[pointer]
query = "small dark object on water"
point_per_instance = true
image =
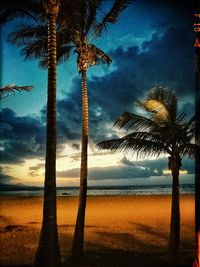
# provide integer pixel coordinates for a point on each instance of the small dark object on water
(65, 194)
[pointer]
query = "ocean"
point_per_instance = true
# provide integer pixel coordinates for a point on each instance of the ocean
(107, 191)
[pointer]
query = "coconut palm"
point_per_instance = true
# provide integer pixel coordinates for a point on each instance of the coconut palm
(197, 192)
(48, 253)
(74, 32)
(11, 89)
(197, 159)
(89, 55)
(163, 131)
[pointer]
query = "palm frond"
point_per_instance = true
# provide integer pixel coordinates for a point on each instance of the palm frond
(93, 6)
(152, 137)
(112, 15)
(131, 121)
(37, 49)
(73, 14)
(11, 89)
(191, 125)
(26, 33)
(11, 9)
(63, 53)
(188, 150)
(189, 129)
(83, 15)
(99, 55)
(137, 146)
(159, 110)
(34, 43)
(162, 103)
(89, 55)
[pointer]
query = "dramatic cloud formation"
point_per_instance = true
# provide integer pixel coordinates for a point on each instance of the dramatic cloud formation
(157, 166)
(127, 170)
(7, 179)
(166, 59)
(104, 173)
(21, 137)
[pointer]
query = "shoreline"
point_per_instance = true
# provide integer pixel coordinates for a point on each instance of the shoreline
(91, 196)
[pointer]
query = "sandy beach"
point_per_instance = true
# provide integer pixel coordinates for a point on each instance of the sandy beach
(118, 228)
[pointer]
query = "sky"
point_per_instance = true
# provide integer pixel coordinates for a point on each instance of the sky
(150, 45)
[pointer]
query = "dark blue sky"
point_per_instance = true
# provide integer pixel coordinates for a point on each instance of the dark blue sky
(151, 45)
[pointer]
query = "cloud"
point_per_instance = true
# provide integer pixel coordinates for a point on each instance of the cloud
(128, 169)
(33, 170)
(165, 60)
(113, 172)
(158, 165)
(36, 167)
(21, 137)
(76, 146)
(7, 179)
(154, 167)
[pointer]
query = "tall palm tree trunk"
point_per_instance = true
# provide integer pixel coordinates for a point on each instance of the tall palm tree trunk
(197, 204)
(48, 253)
(78, 241)
(197, 157)
(174, 236)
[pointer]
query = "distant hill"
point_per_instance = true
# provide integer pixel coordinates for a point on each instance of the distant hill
(18, 187)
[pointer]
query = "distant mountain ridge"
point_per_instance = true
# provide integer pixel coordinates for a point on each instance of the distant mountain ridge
(18, 187)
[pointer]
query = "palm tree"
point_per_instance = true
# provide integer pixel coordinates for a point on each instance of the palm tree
(88, 55)
(11, 89)
(163, 131)
(74, 32)
(48, 253)
(197, 188)
(197, 158)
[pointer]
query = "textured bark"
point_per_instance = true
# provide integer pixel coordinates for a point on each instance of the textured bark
(174, 236)
(48, 253)
(78, 241)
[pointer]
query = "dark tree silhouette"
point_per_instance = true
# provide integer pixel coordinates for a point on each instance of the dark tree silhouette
(75, 30)
(164, 131)
(5, 91)
(48, 253)
(89, 55)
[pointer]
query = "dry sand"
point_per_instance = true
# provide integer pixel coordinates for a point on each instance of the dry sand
(114, 224)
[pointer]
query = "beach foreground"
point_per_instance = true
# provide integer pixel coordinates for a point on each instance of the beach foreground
(120, 230)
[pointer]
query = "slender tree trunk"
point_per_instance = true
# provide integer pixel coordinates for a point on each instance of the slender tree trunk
(174, 236)
(48, 253)
(197, 155)
(78, 241)
(197, 207)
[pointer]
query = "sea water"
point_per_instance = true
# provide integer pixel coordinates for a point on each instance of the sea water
(107, 191)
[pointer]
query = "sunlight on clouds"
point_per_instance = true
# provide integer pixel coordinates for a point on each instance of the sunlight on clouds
(25, 175)
(68, 181)
(67, 162)
(168, 172)
(67, 151)
(70, 158)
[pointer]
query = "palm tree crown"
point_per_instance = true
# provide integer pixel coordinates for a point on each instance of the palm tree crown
(163, 130)
(73, 32)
